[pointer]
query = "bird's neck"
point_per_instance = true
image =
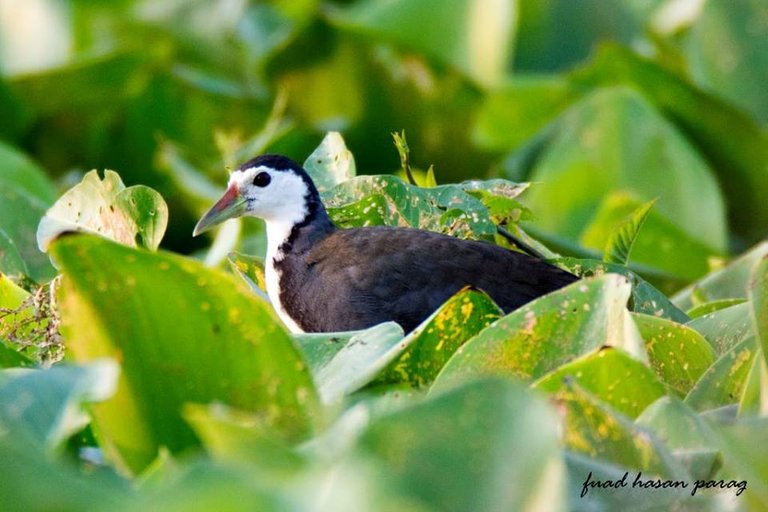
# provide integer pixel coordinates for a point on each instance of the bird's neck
(297, 235)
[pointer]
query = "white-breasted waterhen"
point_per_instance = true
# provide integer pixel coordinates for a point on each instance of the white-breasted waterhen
(321, 278)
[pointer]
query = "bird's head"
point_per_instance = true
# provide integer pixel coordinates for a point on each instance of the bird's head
(271, 187)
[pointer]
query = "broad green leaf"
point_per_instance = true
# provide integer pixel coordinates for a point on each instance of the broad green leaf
(388, 200)
(734, 143)
(758, 297)
(745, 459)
(706, 308)
(723, 382)
(476, 38)
(205, 338)
(424, 352)
(512, 113)
(231, 435)
(490, 445)
(612, 140)
(48, 404)
(25, 193)
(629, 498)
(33, 482)
(611, 375)
(330, 163)
(726, 51)
(661, 245)
(19, 172)
(754, 397)
(98, 81)
(689, 437)
(645, 298)
(134, 216)
(726, 327)
(499, 196)
(622, 240)
(729, 282)
(358, 362)
(594, 429)
(546, 333)
(678, 354)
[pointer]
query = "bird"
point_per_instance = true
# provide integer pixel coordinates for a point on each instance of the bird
(323, 278)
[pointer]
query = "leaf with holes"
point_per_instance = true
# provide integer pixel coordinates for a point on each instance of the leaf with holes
(388, 200)
(135, 216)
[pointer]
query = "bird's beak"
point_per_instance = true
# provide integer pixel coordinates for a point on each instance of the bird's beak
(231, 205)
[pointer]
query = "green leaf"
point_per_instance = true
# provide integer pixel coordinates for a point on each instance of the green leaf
(330, 163)
(251, 270)
(11, 262)
(98, 81)
(47, 405)
(758, 297)
(614, 140)
(388, 200)
(231, 435)
(729, 282)
(706, 308)
(424, 352)
(475, 38)
(721, 56)
(724, 381)
(734, 143)
(10, 358)
(136, 216)
(358, 362)
(611, 375)
(32, 481)
(25, 193)
(754, 397)
(662, 245)
(744, 458)
(205, 338)
(513, 113)
(592, 428)
(490, 445)
(726, 327)
(645, 298)
(678, 354)
(546, 333)
(21, 325)
(686, 433)
(623, 238)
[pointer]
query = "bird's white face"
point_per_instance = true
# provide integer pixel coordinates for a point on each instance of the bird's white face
(277, 196)
(270, 194)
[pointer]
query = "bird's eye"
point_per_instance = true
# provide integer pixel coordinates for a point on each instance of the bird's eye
(262, 179)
